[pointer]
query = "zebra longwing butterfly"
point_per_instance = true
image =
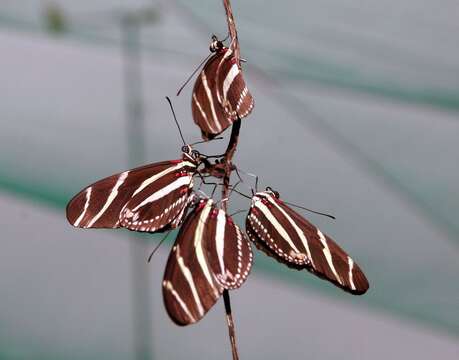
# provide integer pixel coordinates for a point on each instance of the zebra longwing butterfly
(210, 254)
(220, 94)
(149, 198)
(286, 236)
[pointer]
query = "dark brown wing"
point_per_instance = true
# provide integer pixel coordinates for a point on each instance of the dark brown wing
(233, 94)
(190, 288)
(228, 250)
(219, 95)
(136, 199)
(287, 236)
(210, 254)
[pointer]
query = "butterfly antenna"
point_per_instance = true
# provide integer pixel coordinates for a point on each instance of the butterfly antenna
(233, 188)
(194, 72)
(213, 191)
(157, 247)
(311, 211)
(242, 194)
(238, 212)
(175, 119)
(206, 141)
(248, 174)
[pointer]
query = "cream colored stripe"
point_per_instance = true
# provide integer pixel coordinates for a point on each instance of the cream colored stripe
(155, 177)
(262, 207)
(295, 226)
(328, 255)
(189, 278)
(203, 114)
(111, 197)
(169, 287)
(198, 246)
(228, 54)
(234, 71)
(220, 238)
(351, 278)
(86, 205)
(181, 181)
(211, 101)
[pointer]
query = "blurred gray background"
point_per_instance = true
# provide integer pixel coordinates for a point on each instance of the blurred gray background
(357, 114)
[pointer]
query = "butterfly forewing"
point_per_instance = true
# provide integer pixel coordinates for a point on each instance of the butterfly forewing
(220, 94)
(210, 254)
(104, 204)
(159, 203)
(291, 239)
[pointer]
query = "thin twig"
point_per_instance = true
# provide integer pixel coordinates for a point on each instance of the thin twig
(230, 151)
(228, 168)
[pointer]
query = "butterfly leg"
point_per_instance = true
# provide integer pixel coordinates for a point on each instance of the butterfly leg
(248, 174)
(157, 246)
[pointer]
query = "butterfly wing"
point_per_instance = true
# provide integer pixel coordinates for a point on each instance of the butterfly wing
(232, 92)
(133, 197)
(228, 250)
(285, 235)
(220, 94)
(210, 254)
(190, 288)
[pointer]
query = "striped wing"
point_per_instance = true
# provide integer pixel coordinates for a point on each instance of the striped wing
(285, 235)
(220, 94)
(147, 198)
(228, 250)
(209, 255)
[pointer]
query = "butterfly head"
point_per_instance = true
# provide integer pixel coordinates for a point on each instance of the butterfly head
(265, 196)
(215, 44)
(201, 200)
(272, 192)
(191, 155)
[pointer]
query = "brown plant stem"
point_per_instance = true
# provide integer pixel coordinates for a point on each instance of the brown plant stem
(228, 168)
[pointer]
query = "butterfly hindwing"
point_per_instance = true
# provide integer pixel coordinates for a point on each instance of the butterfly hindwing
(114, 201)
(287, 236)
(228, 250)
(210, 254)
(233, 94)
(190, 287)
(158, 203)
